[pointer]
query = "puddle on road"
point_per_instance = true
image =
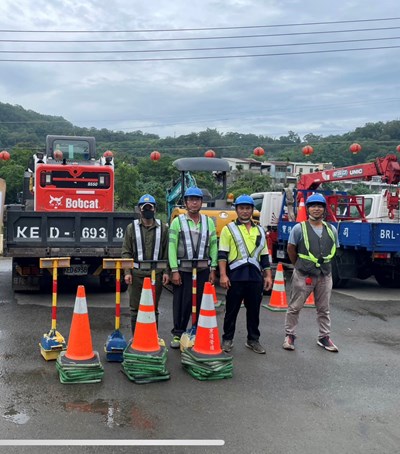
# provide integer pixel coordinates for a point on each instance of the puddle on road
(115, 414)
(15, 416)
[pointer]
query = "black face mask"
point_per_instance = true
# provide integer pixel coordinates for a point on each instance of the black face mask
(148, 214)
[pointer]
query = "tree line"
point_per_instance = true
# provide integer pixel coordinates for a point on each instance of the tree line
(23, 132)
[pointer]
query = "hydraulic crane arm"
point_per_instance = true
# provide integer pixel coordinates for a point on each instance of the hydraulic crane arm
(388, 168)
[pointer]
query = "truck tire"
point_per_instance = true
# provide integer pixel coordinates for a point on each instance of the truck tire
(107, 283)
(384, 277)
(337, 280)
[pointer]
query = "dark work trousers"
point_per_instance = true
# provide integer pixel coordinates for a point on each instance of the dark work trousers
(250, 293)
(135, 292)
(182, 299)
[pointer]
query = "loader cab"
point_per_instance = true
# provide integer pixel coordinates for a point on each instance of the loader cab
(71, 149)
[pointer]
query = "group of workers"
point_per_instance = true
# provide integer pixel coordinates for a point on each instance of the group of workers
(243, 262)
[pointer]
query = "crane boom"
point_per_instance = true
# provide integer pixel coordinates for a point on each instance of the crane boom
(388, 168)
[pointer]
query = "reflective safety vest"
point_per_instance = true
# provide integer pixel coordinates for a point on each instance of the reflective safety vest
(246, 256)
(200, 250)
(310, 257)
(139, 243)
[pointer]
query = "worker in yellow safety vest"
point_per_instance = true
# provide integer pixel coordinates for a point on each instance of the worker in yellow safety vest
(244, 271)
(311, 247)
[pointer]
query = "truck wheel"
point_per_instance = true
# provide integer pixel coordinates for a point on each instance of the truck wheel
(45, 284)
(107, 283)
(385, 279)
(337, 281)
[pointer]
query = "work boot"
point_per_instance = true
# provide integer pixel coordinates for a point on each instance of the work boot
(227, 345)
(289, 342)
(176, 342)
(255, 346)
(327, 344)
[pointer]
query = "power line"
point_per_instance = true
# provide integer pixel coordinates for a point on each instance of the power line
(196, 48)
(204, 28)
(270, 35)
(206, 57)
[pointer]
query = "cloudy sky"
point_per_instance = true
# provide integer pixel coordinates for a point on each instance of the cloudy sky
(175, 67)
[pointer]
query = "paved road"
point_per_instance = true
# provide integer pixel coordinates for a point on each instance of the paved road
(307, 401)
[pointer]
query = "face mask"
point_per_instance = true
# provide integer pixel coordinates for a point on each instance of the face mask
(316, 218)
(148, 214)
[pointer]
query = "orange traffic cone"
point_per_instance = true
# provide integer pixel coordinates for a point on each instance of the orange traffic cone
(301, 211)
(310, 301)
(278, 300)
(207, 335)
(145, 338)
(80, 339)
(79, 363)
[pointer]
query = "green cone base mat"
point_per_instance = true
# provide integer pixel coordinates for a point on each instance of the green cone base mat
(207, 367)
(71, 371)
(144, 367)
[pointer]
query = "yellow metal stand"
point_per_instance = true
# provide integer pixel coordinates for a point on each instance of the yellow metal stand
(53, 342)
(116, 343)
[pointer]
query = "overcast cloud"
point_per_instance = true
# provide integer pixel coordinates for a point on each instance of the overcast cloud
(320, 93)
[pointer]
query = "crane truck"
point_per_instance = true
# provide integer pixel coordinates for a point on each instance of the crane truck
(368, 225)
(66, 210)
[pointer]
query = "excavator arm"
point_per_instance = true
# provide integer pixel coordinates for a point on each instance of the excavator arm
(175, 193)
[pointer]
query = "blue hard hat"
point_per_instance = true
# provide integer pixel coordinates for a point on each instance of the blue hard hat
(316, 198)
(147, 198)
(193, 192)
(244, 199)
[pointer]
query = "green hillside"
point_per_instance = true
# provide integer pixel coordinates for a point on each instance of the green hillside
(23, 132)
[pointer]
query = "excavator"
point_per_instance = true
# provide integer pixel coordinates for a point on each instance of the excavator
(218, 206)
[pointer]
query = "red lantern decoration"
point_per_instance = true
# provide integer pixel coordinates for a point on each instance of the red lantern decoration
(308, 150)
(209, 154)
(58, 155)
(5, 155)
(398, 148)
(108, 154)
(355, 148)
(155, 156)
(259, 151)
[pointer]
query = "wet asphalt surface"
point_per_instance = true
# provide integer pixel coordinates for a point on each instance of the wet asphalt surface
(306, 401)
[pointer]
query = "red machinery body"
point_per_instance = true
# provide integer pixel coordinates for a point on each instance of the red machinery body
(388, 168)
(68, 177)
(73, 187)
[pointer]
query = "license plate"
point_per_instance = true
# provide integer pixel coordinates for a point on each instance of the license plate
(76, 270)
(280, 254)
